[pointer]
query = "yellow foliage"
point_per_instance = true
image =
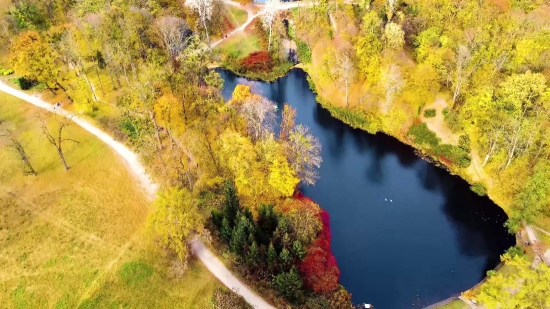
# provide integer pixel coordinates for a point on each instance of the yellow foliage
(282, 177)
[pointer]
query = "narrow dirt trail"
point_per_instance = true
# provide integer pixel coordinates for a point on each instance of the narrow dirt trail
(199, 249)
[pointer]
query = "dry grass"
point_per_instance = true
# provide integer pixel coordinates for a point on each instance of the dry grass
(66, 237)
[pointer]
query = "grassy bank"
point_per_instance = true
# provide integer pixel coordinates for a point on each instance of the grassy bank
(77, 238)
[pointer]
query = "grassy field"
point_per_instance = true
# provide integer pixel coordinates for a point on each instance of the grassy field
(77, 238)
(236, 16)
(240, 45)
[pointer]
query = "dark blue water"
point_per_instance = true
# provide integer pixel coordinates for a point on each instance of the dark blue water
(435, 239)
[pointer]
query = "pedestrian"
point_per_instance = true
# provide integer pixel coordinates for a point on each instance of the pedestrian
(524, 251)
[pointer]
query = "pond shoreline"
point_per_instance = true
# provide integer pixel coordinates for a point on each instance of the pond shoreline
(458, 206)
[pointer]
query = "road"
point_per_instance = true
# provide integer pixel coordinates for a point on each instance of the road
(200, 250)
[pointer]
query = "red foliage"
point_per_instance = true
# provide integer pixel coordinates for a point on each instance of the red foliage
(445, 160)
(319, 268)
(228, 26)
(259, 61)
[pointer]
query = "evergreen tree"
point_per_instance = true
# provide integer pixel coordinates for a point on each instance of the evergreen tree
(231, 203)
(226, 230)
(239, 235)
(289, 284)
(253, 255)
(298, 250)
(285, 258)
(271, 256)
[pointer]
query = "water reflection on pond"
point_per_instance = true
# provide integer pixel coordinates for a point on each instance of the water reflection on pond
(434, 239)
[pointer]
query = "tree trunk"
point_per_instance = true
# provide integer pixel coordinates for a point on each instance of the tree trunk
(88, 81)
(347, 94)
(111, 77)
(205, 30)
(157, 133)
(269, 42)
(62, 157)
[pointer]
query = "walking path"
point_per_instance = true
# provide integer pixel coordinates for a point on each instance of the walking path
(200, 250)
(251, 16)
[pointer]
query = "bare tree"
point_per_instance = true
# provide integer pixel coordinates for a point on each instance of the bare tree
(19, 149)
(269, 14)
(204, 8)
(174, 33)
(391, 5)
(393, 83)
(304, 154)
(340, 68)
(55, 137)
(460, 76)
(259, 114)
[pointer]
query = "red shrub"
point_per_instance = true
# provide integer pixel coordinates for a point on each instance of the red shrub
(259, 61)
(319, 268)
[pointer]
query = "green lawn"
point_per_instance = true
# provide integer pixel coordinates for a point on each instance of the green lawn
(240, 45)
(456, 304)
(236, 16)
(78, 238)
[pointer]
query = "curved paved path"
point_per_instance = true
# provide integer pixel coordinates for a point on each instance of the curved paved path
(200, 250)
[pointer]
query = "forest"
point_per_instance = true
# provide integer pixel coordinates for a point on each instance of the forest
(464, 81)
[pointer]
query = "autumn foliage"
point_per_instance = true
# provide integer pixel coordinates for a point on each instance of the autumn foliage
(259, 61)
(319, 269)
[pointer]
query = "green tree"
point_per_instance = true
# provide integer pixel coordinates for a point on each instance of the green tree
(289, 285)
(231, 205)
(253, 255)
(298, 250)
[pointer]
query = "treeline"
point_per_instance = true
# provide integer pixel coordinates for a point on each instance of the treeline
(487, 61)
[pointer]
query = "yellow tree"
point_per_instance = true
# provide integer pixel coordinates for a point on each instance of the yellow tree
(177, 219)
(33, 58)
(524, 287)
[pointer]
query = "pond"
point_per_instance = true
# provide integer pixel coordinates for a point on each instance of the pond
(405, 233)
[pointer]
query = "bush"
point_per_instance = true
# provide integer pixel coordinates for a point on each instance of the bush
(5, 72)
(479, 189)
(429, 113)
(259, 61)
(453, 154)
(303, 51)
(515, 250)
(423, 136)
(464, 142)
(24, 83)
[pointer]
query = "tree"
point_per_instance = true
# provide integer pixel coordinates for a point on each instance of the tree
(526, 287)
(319, 268)
(303, 151)
(289, 285)
(391, 5)
(392, 83)
(271, 256)
(394, 36)
(36, 60)
(174, 33)
(533, 200)
(239, 234)
(304, 218)
(369, 46)
(340, 68)
(287, 123)
(259, 113)
(204, 9)
(282, 177)
(177, 220)
(55, 137)
(19, 149)
(231, 203)
(269, 13)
